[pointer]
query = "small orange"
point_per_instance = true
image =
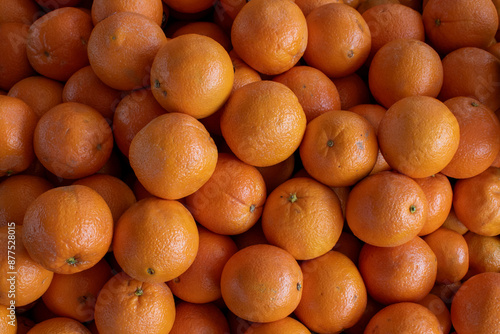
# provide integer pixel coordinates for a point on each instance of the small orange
(125, 305)
(101, 9)
(317, 94)
(173, 155)
(59, 325)
(339, 148)
(200, 283)
(304, 217)
(287, 325)
(199, 318)
(262, 283)
(339, 39)
(232, 200)
(68, 229)
(484, 253)
(270, 36)
(386, 209)
(404, 273)
(72, 140)
(334, 296)
(155, 240)
(418, 136)
(250, 118)
(353, 90)
(438, 307)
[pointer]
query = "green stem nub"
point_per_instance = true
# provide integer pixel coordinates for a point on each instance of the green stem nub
(292, 198)
(151, 271)
(299, 286)
(138, 292)
(71, 261)
(437, 22)
(329, 143)
(413, 208)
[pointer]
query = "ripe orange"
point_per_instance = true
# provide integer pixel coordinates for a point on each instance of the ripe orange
(23, 11)
(72, 140)
(386, 209)
(173, 155)
(232, 200)
(199, 318)
(209, 29)
(68, 229)
(334, 296)
(365, 5)
(475, 201)
(101, 9)
(287, 325)
(263, 123)
(9, 322)
(404, 273)
(476, 305)
(440, 310)
(453, 223)
(418, 136)
(308, 5)
(339, 148)
(57, 42)
(155, 240)
(120, 51)
(59, 325)
(125, 305)
(484, 253)
(261, 283)
(270, 36)
(304, 217)
(339, 39)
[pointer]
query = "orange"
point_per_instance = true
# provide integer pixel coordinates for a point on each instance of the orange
(193, 318)
(133, 112)
(59, 325)
(339, 148)
(479, 142)
(261, 283)
(250, 118)
(24, 281)
(404, 273)
(275, 175)
(57, 42)
(72, 140)
(386, 209)
(15, 65)
(155, 240)
(209, 29)
(334, 296)
(126, 306)
(121, 52)
(339, 39)
(440, 310)
(8, 322)
(101, 9)
(418, 136)
(353, 90)
(23, 11)
(483, 253)
(471, 72)
(243, 73)
(317, 94)
(286, 325)
(303, 217)
(404, 317)
(477, 22)
(17, 124)
(85, 87)
(39, 92)
(200, 283)
(68, 229)
(453, 223)
(232, 200)
(189, 6)
(476, 306)
(364, 5)
(349, 245)
(16, 194)
(475, 201)
(74, 295)
(192, 74)
(439, 194)
(402, 68)
(308, 5)
(452, 254)
(173, 155)
(270, 36)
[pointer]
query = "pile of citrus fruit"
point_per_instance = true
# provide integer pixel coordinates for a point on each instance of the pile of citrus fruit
(239, 167)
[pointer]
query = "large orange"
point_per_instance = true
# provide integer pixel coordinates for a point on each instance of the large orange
(72, 140)
(270, 36)
(126, 306)
(101, 9)
(339, 148)
(192, 74)
(339, 39)
(386, 209)
(334, 296)
(263, 123)
(155, 240)
(262, 283)
(303, 217)
(232, 200)
(59, 325)
(68, 229)
(418, 136)
(173, 155)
